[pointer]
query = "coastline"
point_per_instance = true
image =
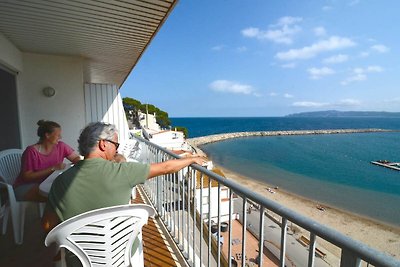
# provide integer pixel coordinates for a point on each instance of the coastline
(378, 235)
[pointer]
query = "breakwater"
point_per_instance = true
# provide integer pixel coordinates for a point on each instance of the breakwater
(198, 141)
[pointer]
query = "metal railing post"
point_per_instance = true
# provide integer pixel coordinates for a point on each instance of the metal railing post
(184, 222)
(201, 219)
(261, 238)
(349, 259)
(230, 228)
(188, 186)
(311, 254)
(180, 209)
(174, 201)
(209, 222)
(194, 178)
(219, 226)
(283, 242)
(244, 230)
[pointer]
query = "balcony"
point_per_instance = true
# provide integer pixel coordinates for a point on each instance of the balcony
(197, 210)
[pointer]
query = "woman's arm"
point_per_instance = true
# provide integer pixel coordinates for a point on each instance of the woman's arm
(74, 157)
(32, 176)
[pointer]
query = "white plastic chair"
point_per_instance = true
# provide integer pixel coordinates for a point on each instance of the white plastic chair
(103, 237)
(4, 218)
(10, 165)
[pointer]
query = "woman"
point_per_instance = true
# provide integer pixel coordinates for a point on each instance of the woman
(41, 159)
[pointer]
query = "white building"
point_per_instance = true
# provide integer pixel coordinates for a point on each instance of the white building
(212, 212)
(171, 140)
(168, 139)
(148, 121)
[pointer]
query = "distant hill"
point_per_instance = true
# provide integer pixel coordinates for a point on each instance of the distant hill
(336, 113)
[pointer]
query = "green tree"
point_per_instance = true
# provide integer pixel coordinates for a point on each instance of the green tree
(182, 129)
(161, 116)
(131, 106)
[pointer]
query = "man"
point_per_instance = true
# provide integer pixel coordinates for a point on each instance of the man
(97, 181)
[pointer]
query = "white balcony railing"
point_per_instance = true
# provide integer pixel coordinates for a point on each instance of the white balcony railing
(183, 200)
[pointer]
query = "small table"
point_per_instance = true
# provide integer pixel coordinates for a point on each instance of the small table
(45, 186)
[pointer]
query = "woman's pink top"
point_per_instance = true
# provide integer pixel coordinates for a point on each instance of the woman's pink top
(33, 160)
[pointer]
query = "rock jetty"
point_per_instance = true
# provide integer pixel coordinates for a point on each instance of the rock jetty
(198, 141)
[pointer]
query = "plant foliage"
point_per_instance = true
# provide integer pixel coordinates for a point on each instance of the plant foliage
(183, 129)
(132, 106)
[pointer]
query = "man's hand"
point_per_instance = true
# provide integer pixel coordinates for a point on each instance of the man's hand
(199, 160)
(174, 165)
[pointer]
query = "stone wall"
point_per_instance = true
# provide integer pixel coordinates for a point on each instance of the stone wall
(195, 142)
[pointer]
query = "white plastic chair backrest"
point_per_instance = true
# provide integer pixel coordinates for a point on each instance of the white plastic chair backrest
(102, 237)
(10, 164)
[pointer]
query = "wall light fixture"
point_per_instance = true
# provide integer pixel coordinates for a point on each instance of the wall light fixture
(49, 91)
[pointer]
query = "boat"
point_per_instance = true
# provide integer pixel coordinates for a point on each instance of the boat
(387, 164)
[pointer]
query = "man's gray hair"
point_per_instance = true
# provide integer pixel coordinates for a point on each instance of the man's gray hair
(92, 133)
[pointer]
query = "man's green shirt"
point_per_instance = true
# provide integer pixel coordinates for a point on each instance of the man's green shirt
(95, 183)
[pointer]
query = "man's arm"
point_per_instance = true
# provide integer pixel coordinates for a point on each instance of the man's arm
(173, 165)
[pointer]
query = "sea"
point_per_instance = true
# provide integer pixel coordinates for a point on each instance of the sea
(333, 169)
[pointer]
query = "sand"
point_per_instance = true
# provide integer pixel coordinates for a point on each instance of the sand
(382, 237)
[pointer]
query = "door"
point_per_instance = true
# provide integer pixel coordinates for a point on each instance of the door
(9, 119)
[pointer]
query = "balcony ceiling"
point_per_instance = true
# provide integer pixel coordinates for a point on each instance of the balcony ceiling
(111, 35)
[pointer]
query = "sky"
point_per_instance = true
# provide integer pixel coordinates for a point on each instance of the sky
(260, 58)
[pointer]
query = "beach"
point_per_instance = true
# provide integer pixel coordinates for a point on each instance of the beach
(378, 235)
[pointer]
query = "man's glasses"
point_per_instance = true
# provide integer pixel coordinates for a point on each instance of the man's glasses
(114, 143)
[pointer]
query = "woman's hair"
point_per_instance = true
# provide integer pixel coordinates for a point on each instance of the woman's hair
(92, 133)
(46, 127)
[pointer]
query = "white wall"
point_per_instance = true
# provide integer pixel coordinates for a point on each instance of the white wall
(64, 74)
(148, 121)
(224, 207)
(67, 107)
(169, 139)
(10, 56)
(103, 102)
